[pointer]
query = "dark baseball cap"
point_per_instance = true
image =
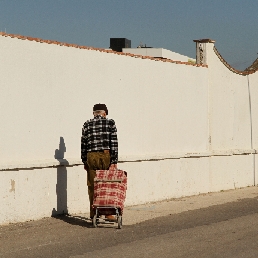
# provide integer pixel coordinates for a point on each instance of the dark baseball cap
(100, 107)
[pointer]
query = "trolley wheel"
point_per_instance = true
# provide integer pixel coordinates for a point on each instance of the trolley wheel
(119, 221)
(95, 221)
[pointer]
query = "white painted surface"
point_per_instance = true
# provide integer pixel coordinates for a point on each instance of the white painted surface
(48, 91)
(196, 120)
(33, 194)
(229, 107)
(253, 85)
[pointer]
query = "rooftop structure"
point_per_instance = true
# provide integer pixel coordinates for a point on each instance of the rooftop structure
(157, 53)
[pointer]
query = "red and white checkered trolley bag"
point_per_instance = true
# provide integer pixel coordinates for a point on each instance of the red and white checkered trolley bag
(109, 194)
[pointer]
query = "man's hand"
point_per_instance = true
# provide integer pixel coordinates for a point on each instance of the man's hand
(113, 166)
(86, 167)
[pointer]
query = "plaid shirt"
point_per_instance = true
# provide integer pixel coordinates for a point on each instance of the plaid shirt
(99, 133)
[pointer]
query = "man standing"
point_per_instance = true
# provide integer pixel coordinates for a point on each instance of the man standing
(99, 147)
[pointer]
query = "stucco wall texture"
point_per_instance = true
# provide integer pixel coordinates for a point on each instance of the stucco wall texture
(182, 129)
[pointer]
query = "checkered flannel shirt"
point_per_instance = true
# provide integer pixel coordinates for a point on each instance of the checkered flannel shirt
(99, 133)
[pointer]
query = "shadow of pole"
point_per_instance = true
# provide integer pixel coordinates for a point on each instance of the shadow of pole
(61, 185)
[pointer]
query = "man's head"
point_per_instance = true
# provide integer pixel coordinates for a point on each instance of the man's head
(100, 109)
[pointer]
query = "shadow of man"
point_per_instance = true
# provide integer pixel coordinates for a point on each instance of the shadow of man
(61, 185)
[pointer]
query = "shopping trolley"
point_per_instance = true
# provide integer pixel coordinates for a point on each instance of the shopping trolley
(109, 194)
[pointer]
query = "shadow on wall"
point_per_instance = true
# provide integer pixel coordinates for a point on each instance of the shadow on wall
(61, 185)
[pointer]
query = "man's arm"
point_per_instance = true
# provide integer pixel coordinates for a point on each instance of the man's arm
(113, 143)
(84, 145)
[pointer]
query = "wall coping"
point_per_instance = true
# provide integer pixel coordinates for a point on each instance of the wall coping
(204, 40)
(70, 162)
(244, 73)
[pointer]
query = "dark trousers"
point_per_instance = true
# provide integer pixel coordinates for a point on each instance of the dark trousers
(95, 161)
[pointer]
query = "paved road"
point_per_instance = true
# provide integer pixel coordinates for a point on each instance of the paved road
(227, 227)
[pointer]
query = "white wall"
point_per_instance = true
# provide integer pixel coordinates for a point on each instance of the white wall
(229, 107)
(194, 122)
(253, 78)
(33, 194)
(48, 91)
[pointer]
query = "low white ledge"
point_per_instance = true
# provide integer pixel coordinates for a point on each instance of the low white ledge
(21, 165)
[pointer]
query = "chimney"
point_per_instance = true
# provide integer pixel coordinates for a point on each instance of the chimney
(201, 50)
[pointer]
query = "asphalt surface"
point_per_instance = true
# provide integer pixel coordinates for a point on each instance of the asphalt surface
(212, 225)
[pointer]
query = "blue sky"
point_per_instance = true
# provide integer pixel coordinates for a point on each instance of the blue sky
(171, 24)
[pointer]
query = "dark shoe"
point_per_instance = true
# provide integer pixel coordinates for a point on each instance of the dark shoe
(111, 218)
